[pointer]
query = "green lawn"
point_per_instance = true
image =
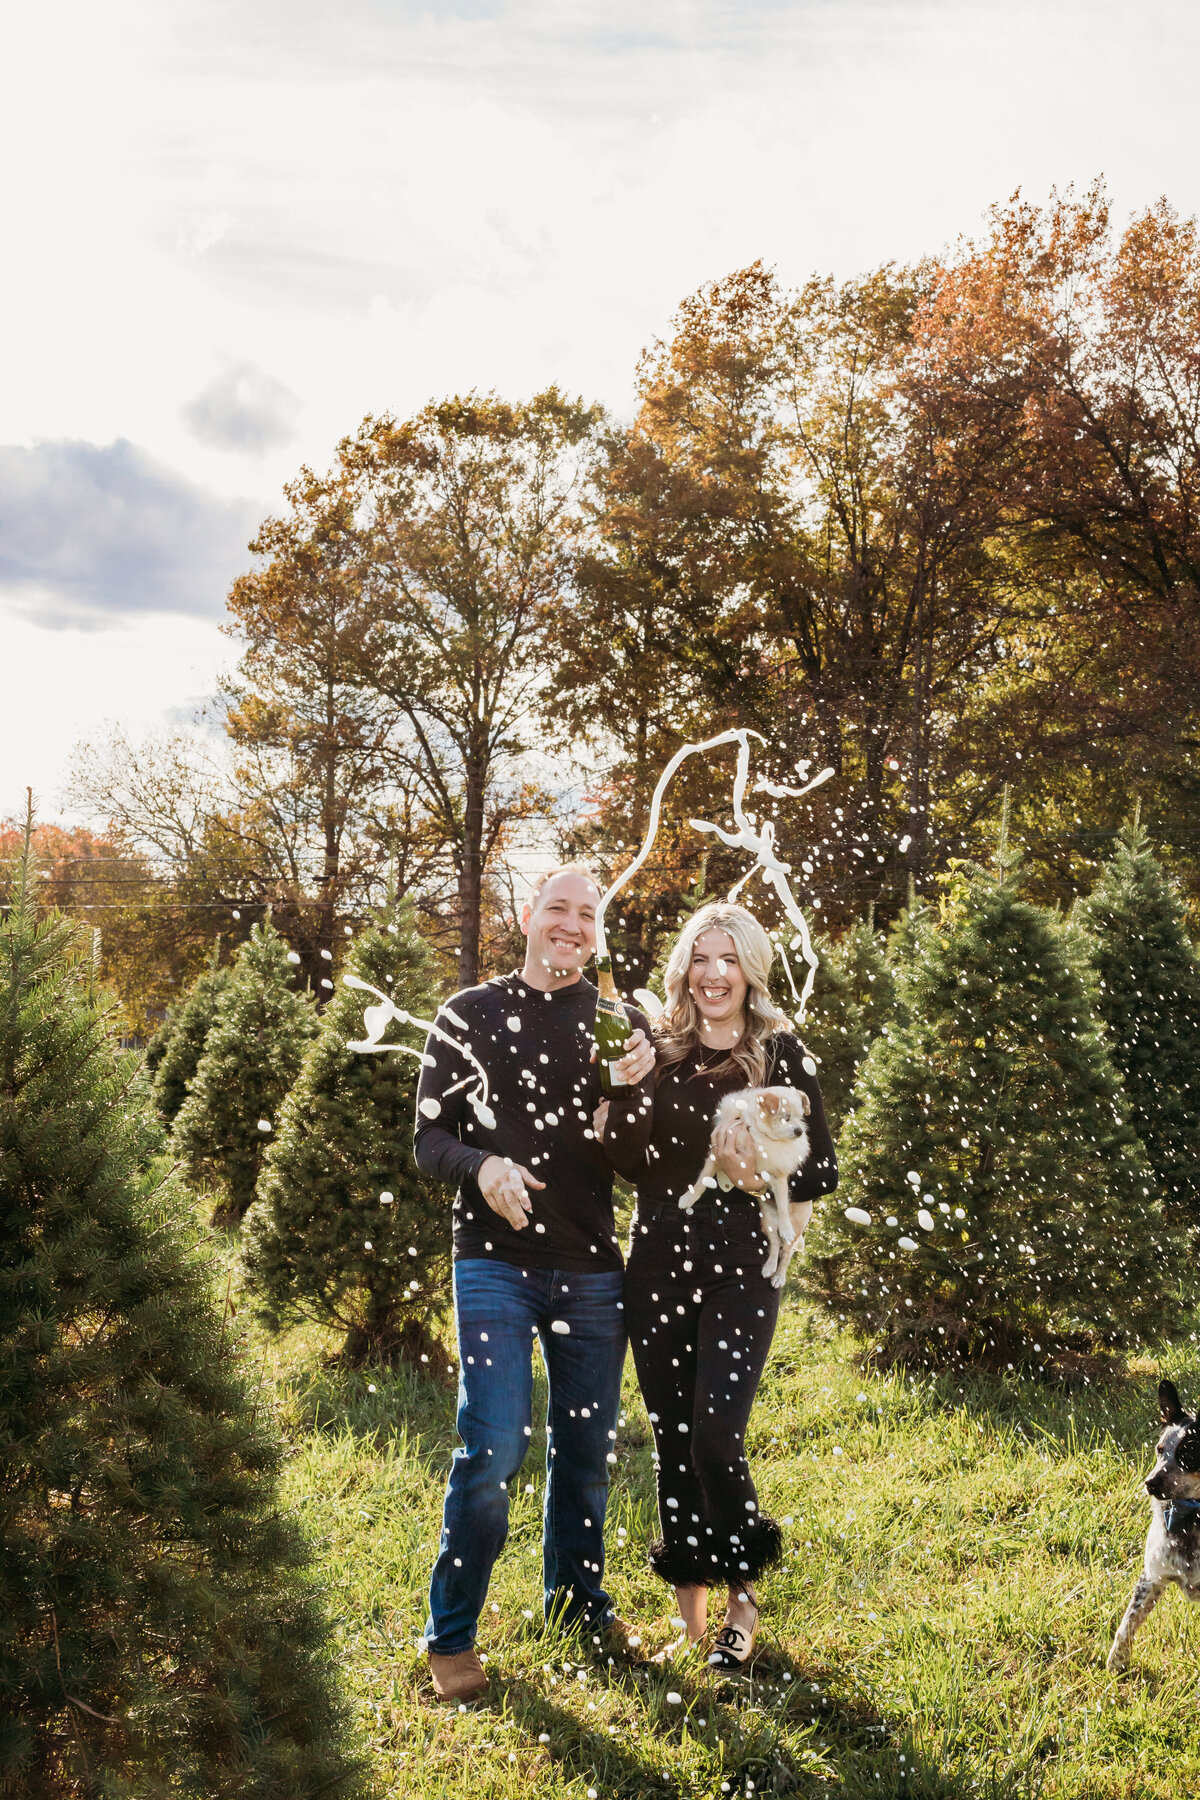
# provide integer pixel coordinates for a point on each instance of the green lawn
(960, 1552)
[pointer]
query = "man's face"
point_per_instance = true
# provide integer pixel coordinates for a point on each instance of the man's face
(561, 924)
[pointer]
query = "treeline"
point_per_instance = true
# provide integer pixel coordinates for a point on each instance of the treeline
(1015, 1093)
(936, 528)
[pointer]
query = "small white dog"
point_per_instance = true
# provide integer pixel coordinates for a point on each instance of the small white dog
(777, 1120)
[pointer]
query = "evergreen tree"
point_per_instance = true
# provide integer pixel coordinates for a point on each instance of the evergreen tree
(1147, 984)
(252, 1055)
(320, 1243)
(906, 946)
(173, 1053)
(159, 1636)
(1008, 1196)
(852, 1000)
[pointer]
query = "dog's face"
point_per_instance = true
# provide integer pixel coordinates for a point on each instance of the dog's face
(1176, 1473)
(782, 1113)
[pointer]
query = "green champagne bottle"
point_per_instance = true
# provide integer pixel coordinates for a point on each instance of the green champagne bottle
(613, 1029)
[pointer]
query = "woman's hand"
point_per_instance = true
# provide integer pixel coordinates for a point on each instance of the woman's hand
(733, 1152)
(599, 1120)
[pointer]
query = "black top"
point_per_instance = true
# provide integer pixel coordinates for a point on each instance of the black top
(536, 1048)
(684, 1103)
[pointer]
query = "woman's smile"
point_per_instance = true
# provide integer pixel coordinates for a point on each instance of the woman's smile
(717, 981)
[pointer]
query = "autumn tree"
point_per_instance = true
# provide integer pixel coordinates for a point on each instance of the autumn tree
(1085, 340)
(311, 734)
(798, 543)
(475, 511)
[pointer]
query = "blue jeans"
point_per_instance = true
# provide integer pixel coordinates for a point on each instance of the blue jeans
(498, 1310)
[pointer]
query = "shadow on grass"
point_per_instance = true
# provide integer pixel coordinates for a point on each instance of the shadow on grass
(776, 1729)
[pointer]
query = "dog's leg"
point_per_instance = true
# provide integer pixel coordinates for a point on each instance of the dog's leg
(705, 1179)
(799, 1216)
(783, 1211)
(771, 1232)
(1145, 1597)
(785, 1257)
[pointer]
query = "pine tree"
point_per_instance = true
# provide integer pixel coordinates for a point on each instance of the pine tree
(1009, 1199)
(159, 1635)
(319, 1242)
(852, 1000)
(906, 946)
(1147, 984)
(173, 1053)
(251, 1057)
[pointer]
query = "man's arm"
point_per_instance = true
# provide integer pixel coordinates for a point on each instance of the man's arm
(438, 1145)
(437, 1140)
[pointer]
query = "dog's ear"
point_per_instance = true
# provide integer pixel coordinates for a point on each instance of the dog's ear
(1170, 1406)
(1187, 1452)
(805, 1104)
(769, 1104)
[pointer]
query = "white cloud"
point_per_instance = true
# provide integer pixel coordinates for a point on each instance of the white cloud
(89, 531)
(243, 408)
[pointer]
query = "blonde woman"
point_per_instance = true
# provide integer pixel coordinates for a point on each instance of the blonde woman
(699, 1312)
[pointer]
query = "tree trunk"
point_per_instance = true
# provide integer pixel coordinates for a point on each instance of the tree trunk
(470, 871)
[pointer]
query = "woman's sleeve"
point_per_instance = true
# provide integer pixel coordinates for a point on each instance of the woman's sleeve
(630, 1119)
(819, 1172)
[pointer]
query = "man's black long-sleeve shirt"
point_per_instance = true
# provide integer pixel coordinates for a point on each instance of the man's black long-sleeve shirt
(536, 1047)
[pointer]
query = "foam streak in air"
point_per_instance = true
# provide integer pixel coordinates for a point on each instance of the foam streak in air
(377, 1019)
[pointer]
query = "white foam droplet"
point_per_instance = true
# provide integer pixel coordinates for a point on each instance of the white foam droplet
(561, 1326)
(808, 1065)
(925, 1220)
(430, 1108)
(513, 1023)
(293, 956)
(387, 1197)
(264, 1124)
(857, 1216)
(907, 1243)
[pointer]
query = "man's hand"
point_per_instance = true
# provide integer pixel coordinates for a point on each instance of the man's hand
(733, 1151)
(504, 1184)
(637, 1061)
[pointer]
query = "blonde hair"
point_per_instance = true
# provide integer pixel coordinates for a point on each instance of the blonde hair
(677, 1033)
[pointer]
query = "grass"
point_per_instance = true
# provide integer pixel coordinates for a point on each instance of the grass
(960, 1550)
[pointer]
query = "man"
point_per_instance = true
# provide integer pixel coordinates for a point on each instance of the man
(535, 1254)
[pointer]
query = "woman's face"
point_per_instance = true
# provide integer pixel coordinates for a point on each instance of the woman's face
(715, 978)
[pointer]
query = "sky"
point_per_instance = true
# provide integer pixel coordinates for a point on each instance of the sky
(232, 230)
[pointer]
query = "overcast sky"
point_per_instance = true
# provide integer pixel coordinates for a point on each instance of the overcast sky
(232, 229)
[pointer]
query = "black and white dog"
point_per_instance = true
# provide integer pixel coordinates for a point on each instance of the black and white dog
(1173, 1541)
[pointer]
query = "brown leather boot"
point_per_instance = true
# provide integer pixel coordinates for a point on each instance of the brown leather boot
(459, 1677)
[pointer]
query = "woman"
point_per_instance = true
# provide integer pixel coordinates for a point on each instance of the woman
(699, 1311)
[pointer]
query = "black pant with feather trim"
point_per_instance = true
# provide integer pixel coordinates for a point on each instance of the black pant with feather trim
(701, 1318)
